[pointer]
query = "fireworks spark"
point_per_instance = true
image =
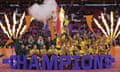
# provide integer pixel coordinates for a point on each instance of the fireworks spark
(100, 27)
(4, 30)
(8, 24)
(109, 31)
(13, 32)
(14, 23)
(20, 25)
(117, 34)
(105, 23)
(111, 23)
(117, 26)
(23, 29)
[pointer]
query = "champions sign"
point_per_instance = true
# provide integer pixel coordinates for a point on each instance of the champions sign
(54, 62)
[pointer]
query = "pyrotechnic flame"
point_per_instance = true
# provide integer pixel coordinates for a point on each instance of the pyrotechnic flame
(105, 23)
(14, 32)
(8, 24)
(20, 25)
(110, 33)
(117, 34)
(111, 23)
(4, 30)
(99, 26)
(14, 23)
(117, 26)
(23, 29)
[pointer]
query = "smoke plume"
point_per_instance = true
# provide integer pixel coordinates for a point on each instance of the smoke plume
(42, 12)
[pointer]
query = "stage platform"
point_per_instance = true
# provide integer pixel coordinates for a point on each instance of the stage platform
(115, 67)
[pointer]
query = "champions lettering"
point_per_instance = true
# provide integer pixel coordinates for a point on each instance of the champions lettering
(54, 62)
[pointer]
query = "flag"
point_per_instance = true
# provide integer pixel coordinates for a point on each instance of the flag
(61, 15)
(51, 28)
(46, 27)
(28, 20)
(89, 20)
(58, 29)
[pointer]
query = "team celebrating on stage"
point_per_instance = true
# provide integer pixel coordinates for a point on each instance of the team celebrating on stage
(65, 44)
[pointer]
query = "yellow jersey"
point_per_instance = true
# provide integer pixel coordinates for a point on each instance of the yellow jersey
(34, 52)
(83, 43)
(58, 42)
(82, 52)
(90, 50)
(52, 51)
(43, 51)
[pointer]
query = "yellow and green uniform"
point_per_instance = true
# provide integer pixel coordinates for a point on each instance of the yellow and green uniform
(33, 52)
(89, 41)
(96, 50)
(102, 51)
(59, 52)
(71, 49)
(43, 51)
(77, 52)
(76, 42)
(83, 44)
(106, 51)
(52, 51)
(90, 50)
(68, 43)
(82, 52)
(96, 43)
(107, 42)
